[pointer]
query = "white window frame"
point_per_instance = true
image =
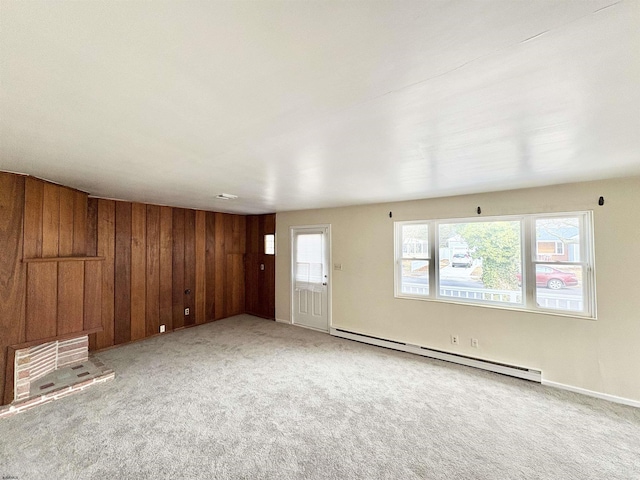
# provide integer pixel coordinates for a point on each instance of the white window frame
(399, 255)
(528, 263)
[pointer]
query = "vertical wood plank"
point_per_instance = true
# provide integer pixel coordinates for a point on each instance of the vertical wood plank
(42, 299)
(253, 234)
(259, 282)
(166, 267)
(90, 247)
(33, 200)
(122, 271)
(65, 233)
(12, 273)
(210, 260)
(235, 284)
(138, 270)
(220, 265)
(80, 219)
(270, 223)
(153, 271)
(252, 264)
(190, 264)
(200, 270)
(70, 297)
(92, 295)
(106, 249)
(50, 220)
(178, 268)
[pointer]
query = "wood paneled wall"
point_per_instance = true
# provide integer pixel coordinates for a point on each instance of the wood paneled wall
(160, 261)
(260, 271)
(55, 220)
(156, 261)
(52, 285)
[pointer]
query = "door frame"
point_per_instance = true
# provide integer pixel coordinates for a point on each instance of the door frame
(292, 282)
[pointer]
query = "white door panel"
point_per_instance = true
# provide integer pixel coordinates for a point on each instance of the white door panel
(310, 276)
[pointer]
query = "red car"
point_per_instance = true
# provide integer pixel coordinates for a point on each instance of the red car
(553, 278)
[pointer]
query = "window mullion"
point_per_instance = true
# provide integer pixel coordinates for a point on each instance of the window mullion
(434, 259)
(529, 263)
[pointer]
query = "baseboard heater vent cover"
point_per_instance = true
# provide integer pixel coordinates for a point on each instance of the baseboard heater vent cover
(502, 368)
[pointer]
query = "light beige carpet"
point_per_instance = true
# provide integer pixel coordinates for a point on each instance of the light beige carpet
(249, 398)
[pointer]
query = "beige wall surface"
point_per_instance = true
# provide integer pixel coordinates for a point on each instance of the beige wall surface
(601, 355)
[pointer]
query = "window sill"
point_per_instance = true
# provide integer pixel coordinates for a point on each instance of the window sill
(555, 313)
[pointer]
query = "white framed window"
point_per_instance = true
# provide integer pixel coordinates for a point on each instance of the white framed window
(541, 263)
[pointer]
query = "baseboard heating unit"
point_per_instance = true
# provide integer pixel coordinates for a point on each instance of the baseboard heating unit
(504, 369)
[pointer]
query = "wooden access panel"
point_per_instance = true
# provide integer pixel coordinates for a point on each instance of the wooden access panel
(92, 297)
(42, 301)
(70, 297)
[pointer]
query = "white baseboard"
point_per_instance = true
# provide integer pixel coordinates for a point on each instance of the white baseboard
(591, 393)
(279, 320)
(511, 370)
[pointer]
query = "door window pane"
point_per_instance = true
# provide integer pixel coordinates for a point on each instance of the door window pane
(309, 258)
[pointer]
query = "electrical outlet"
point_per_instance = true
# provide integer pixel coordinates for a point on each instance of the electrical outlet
(162, 327)
(186, 311)
(455, 339)
(474, 342)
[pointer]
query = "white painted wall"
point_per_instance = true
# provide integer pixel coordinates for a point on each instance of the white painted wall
(600, 355)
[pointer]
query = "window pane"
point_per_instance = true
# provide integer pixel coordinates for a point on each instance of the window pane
(270, 244)
(309, 267)
(415, 277)
(481, 261)
(415, 241)
(559, 287)
(557, 239)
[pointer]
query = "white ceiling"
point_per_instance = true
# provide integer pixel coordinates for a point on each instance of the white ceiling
(303, 104)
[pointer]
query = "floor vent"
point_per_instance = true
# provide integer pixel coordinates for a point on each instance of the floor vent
(496, 367)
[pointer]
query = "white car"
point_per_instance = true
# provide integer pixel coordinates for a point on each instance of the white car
(461, 260)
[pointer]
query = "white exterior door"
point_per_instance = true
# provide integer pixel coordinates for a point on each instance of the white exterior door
(310, 277)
